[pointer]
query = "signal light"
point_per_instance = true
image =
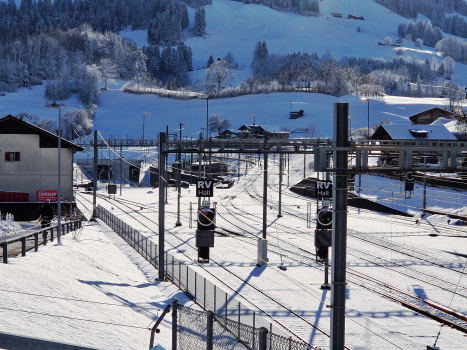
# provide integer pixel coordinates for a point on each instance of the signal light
(324, 218)
(206, 219)
(409, 182)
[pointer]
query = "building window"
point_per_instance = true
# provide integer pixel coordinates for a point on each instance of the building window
(12, 156)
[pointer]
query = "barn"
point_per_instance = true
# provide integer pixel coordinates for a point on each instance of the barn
(431, 115)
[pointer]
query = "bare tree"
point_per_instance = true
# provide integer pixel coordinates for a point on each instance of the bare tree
(310, 131)
(218, 122)
(108, 71)
(218, 76)
(454, 94)
(56, 90)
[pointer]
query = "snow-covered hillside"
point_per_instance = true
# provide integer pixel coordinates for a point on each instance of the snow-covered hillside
(235, 27)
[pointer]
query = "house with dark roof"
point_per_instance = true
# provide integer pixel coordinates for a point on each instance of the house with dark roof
(430, 115)
(260, 131)
(29, 160)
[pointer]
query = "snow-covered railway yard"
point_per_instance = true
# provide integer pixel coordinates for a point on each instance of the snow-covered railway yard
(390, 260)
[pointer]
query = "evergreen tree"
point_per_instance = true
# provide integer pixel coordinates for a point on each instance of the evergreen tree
(210, 61)
(199, 27)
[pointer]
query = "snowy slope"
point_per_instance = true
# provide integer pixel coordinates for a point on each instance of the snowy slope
(236, 27)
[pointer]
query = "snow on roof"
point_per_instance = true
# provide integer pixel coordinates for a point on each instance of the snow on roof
(441, 121)
(403, 132)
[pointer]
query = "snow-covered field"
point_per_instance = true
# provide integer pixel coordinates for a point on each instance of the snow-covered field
(235, 27)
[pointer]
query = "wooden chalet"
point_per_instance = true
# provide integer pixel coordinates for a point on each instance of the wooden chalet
(228, 134)
(430, 115)
(260, 131)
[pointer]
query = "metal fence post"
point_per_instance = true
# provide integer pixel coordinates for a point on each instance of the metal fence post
(262, 338)
(209, 330)
(174, 323)
(23, 246)
(5, 252)
(253, 333)
(270, 338)
(36, 241)
(238, 320)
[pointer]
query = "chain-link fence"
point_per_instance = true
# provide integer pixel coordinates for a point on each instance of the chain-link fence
(200, 330)
(229, 312)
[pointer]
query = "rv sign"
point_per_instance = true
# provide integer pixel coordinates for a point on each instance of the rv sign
(323, 189)
(204, 188)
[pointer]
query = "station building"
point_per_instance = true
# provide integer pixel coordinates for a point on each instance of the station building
(29, 163)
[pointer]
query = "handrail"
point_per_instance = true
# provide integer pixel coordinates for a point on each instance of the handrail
(6, 240)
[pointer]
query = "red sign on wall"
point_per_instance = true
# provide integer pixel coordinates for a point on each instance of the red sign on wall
(42, 195)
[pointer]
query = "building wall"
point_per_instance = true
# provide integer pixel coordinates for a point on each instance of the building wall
(37, 168)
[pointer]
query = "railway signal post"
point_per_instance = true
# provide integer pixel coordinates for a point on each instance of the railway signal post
(206, 217)
(323, 232)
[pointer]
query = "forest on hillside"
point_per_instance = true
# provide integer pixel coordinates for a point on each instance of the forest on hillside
(72, 47)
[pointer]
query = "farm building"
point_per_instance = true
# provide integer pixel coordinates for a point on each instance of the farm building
(431, 115)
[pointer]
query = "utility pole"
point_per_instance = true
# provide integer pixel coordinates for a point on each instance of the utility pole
(281, 159)
(94, 177)
(424, 188)
(72, 179)
(162, 184)
(265, 194)
(179, 180)
(339, 228)
(121, 169)
(262, 242)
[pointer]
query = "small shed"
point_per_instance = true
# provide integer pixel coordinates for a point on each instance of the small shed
(356, 17)
(296, 114)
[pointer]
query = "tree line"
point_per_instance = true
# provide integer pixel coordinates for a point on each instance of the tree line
(32, 17)
(444, 14)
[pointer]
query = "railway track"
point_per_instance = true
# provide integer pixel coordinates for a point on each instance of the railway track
(410, 300)
(192, 258)
(424, 306)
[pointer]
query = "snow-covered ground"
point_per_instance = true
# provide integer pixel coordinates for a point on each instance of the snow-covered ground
(93, 290)
(60, 288)
(386, 247)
